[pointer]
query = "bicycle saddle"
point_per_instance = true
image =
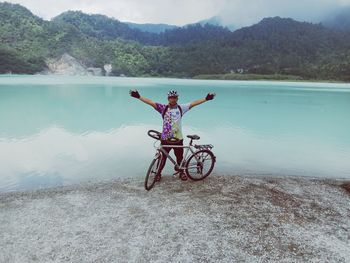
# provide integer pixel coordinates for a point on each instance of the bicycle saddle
(193, 137)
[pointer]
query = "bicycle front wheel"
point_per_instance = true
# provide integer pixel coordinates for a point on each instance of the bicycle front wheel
(150, 179)
(200, 165)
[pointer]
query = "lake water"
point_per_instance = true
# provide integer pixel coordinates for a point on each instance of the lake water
(57, 130)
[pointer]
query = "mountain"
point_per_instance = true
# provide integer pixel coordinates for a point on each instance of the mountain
(23, 40)
(285, 36)
(151, 28)
(19, 24)
(103, 27)
(161, 28)
(273, 46)
(193, 33)
(286, 46)
(338, 20)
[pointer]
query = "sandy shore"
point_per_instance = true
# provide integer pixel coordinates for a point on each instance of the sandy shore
(222, 219)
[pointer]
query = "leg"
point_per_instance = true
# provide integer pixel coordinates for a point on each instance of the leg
(162, 164)
(179, 153)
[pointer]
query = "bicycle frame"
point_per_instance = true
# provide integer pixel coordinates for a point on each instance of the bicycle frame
(184, 159)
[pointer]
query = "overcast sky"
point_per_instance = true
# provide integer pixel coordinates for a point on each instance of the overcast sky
(181, 12)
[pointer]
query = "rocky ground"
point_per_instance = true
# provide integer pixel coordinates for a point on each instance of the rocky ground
(221, 219)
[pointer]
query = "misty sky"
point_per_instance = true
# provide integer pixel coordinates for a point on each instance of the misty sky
(181, 12)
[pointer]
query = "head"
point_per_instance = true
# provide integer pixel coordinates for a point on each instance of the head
(173, 97)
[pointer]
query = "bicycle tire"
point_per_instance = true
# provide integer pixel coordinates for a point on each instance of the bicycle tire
(194, 170)
(150, 179)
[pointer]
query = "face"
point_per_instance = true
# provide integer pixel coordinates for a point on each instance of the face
(173, 100)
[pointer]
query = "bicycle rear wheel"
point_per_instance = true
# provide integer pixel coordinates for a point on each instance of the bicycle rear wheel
(150, 179)
(200, 165)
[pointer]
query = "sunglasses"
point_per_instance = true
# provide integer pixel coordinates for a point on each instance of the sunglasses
(172, 97)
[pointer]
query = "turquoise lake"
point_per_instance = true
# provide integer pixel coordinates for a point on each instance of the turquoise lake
(59, 130)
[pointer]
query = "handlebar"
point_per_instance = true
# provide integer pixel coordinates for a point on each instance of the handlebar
(157, 135)
(154, 134)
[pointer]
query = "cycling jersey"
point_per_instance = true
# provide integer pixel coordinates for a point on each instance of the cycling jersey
(172, 120)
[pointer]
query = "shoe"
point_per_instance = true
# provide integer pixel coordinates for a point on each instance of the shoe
(183, 177)
(158, 177)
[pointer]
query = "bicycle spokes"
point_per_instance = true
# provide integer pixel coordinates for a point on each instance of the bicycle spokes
(152, 172)
(200, 164)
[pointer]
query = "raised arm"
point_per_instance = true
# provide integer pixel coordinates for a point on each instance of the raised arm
(210, 96)
(136, 94)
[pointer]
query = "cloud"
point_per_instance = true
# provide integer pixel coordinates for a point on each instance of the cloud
(181, 12)
(178, 12)
(247, 12)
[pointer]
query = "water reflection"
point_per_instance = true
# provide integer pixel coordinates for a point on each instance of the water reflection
(72, 157)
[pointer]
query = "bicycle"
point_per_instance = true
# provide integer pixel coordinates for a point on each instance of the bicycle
(194, 166)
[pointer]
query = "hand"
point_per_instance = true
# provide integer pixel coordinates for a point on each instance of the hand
(210, 96)
(134, 93)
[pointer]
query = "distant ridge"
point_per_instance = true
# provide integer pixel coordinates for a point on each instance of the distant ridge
(152, 28)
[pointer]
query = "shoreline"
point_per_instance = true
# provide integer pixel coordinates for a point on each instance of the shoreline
(201, 77)
(339, 181)
(267, 77)
(223, 218)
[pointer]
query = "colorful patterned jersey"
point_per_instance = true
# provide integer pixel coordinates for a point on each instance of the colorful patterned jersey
(172, 120)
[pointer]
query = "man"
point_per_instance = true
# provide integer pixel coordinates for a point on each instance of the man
(172, 131)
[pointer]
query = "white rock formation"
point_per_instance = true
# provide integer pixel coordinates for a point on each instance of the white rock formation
(68, 65)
